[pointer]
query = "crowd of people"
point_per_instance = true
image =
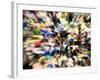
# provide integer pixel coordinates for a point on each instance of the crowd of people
(56, 39)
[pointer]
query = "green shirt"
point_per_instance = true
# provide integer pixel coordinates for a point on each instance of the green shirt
(36, 31)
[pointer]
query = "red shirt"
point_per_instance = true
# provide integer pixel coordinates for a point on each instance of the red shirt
(38, 43)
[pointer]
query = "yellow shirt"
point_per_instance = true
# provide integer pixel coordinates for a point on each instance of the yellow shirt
(31, 21)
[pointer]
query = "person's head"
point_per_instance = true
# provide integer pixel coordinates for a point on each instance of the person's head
(29, 51)
(71, 48)
(87, 61)
(81, 63)
(42, 60)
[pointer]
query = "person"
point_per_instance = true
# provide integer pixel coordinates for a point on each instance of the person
(26, 65)
(40, 64)
(36, 31)
(70, 62)
(38, 43)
